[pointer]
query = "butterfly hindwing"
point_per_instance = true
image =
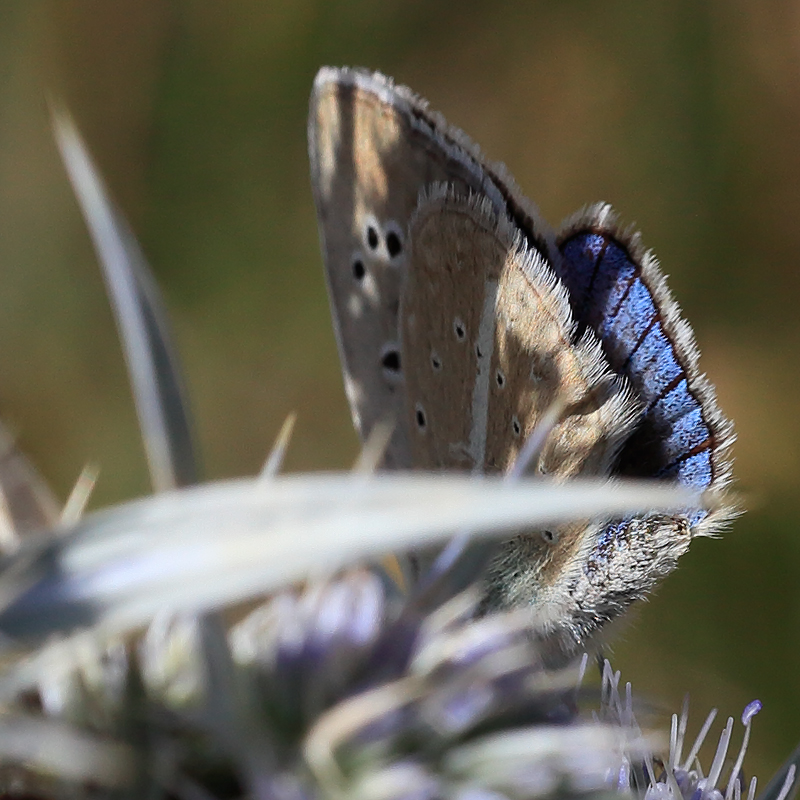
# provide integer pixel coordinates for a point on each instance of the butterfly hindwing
(617, 290)
(489, 343)
(486, 337)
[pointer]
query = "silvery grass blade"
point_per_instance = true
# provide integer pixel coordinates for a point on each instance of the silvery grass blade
(53, 747)
(80, 494)
(501, 762)
(784, 784)
(209, 546)
(142, 323)
(26, 501)
(274, 461)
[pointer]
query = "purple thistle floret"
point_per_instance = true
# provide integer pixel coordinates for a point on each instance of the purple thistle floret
(679, 778)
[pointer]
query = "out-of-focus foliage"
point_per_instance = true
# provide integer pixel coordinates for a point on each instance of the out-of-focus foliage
(684, 114)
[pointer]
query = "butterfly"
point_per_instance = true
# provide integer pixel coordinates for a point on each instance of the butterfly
(462, 317)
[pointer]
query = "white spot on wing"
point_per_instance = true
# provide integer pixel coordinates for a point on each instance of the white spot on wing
(355, 305)
(367, 290)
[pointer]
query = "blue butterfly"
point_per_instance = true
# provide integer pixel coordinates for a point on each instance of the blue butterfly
(461, 316)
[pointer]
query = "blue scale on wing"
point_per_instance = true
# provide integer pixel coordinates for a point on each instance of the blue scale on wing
(609, 294)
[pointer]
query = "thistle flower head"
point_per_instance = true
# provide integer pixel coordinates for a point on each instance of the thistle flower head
(340, 688)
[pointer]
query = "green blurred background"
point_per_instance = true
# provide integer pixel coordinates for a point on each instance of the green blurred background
(685, 114)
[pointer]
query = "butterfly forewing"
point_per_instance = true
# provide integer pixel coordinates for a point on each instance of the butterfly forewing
(373, 148)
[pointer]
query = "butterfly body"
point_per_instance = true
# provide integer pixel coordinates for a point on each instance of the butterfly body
(464, 320)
